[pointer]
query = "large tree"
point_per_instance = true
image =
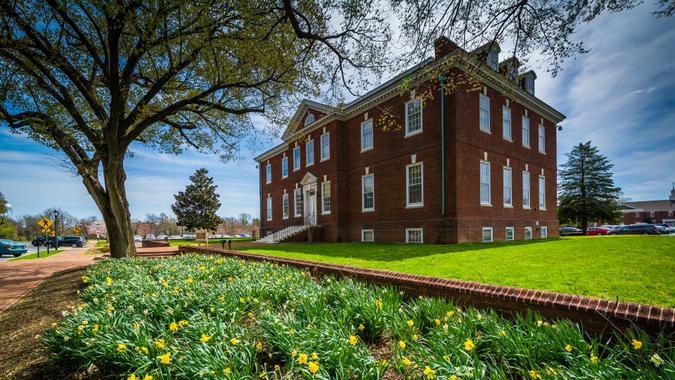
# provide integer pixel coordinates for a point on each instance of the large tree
(196, 207)
(92, 77)
(586, 189)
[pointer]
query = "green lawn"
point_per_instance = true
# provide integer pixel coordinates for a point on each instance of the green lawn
(43, 254)
(630, 268)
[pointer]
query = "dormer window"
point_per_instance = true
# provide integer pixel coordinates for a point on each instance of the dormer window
(529, 85)
(309, 119)
(493, 59)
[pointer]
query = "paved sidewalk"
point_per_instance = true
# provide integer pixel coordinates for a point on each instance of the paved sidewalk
(18, 277)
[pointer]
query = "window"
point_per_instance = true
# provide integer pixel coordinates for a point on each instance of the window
(528, 233)
(542, 192)
(325, 197)
(508, 201)
(487, 235)
(493, 59)
(325, 146)
(509, 233)
(526, 131)
(309, 119)
(414, 235)
(484, 113)
(298, 202)
(367, 135)
(413, 117)
(544, 232)
(485, 183)
(268, 173)
(506, 123)
(415, 187)
(368, 192)
(529, 84)
(284, 205)
(367, 236)
(526, 189)
(309, 153)
(284, 167)
(269, 208)
(542, 139)
(296, 158)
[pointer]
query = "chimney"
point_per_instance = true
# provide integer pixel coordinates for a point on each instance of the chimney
(443, 46)
(672, 194)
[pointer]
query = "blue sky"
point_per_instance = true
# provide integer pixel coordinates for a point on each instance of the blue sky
(620, 95)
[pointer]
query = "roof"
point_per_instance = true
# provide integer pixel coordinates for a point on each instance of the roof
(658, 205)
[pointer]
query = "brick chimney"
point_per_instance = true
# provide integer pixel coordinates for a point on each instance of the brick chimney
(442, 46)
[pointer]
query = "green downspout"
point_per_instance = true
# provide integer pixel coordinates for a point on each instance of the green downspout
(441, 78)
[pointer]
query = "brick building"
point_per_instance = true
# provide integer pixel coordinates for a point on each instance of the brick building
(417, 164)
(659, 211)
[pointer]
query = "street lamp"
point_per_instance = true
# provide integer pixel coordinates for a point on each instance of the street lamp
(56, 234)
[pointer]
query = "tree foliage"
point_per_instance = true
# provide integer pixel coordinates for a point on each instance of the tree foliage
(196, 207)
(586, 189)
(3, 207)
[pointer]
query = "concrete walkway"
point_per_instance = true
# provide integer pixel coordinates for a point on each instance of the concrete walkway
(18, 277)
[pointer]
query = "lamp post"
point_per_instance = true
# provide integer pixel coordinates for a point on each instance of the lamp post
(56, 233)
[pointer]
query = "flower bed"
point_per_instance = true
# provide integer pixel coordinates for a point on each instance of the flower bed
(203, 316)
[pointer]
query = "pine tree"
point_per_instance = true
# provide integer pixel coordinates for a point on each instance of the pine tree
(196, 207)
(586, 191)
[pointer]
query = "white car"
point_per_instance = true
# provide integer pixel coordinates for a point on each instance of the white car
(138, 238)
(150, 237)
(161, 237)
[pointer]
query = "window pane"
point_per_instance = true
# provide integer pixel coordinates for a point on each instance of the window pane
(310, 152)
(526, 131)
(415, 184)
(296, 158)
(368, 192)
(285, 206)
(269, 208)
(506, 121)
(414, 235)
(526, 189)
(325, 197)
(509, 233)
(507, 186)
(367, 135)
(414, 115)
(298, 202)
(542, 193)
(284, 167)
(542, 141)
(325, 146)
(268, 173)
(484, 182)
(487, 235)
(484, 113)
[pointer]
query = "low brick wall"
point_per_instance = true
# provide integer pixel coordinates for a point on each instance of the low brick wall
(154, 243)
(594, 315)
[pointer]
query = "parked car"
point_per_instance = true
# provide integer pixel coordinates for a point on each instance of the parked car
(138, 238)
(665, 229)
(38, 241)
(570, 231)
(150, 237)
(68, 241)
(636, 229)
(11, 247)
(592, 231)
(162, 237)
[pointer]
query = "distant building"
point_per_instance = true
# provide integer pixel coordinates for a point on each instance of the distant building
(659, 211)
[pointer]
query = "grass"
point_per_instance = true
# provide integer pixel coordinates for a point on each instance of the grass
(630, 268)
(34, 255)
(208, 317)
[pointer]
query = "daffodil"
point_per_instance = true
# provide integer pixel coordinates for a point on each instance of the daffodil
(656, 359)
(160, 344)
(315, 356)
(131, 377)
(636, 344)
(147, 377)
(165, 359)
(204, 338)
(302, 359)
(182, 323)
(454, 377)
(353, 340)
(401, 344)
(108, 281)
(469, 345)
(595, 359)
(259, 346)
(450, 313)
(85, 280)
(234, 341)
(95, 328)
(313, 367)
(534, 374)
(227, 371)
(378, 303)
(502, 333)
(568, 348)
(551, 371)
(405, 361)
(429, 373)
(438, 322)
(173, 326)
(121, 347)
(410, 323)
(361, 327)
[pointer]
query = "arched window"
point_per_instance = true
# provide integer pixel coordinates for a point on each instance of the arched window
(309, 119)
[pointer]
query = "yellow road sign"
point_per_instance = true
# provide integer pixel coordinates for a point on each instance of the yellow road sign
(77, 230)
(45, 223)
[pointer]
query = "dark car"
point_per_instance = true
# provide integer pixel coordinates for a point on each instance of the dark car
(570, 231)
(71, 241)
(10, 247)
(636, 229)
(42, 241)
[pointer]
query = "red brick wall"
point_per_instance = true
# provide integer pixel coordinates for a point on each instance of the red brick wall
(646, 217)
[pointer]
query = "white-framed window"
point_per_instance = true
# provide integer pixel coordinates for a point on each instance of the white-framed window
(508, 187)
(493, 59)
(284, 205)
(367, 135)
(542, 192)
(509, 233)
(528, 233)
(544, 232)
(484, 113)
(368, 192)
(529, 84)
(367, 236)
(298, 202)
(268, 173)
(269, 208)
(526, 189)
(310, 119)
(325, 197)
(487, 235)
(542, 139)
(526, 131)
(325, 146)
(296, 158)
(414, 178)
(506, 123)
(485, 198)
(284, 167)
(413, 117)
(309, 153)
(414, 235)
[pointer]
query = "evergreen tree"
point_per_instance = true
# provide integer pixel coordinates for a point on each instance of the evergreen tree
(196, 207)
(586, 190)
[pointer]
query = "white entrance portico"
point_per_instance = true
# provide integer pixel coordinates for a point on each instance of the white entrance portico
(309, 191)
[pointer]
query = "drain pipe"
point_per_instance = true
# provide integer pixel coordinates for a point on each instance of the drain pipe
(441, 78)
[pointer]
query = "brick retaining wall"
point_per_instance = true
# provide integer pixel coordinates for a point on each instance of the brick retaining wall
(154, 243)
(595, 315)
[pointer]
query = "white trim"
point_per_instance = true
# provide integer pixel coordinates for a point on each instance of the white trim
(363, 238)
(297, 161)
(506, 233)
(323, 196)
(480, 112)
(544, 232)
(284, 162)
(407, 235)
(510, 171)
(372, 135)
(528, 229)
(307, 152)
(322, 158)
(492, 235)
(285, 206)
(363, 193)
(489, 182)
(421, 128)
(529, 189)
(407, 186)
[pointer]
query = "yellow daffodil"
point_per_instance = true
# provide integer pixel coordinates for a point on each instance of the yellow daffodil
(410, 323)
(277, 367)
(401, 344)
(182, 323)
(378, 304)
(534, 374)
(568, 348)
(313, 367)
(227, 371)
(551, 371)
(173, 326)
(405, 361)
(234, 341)
(121, 347)
(108, 281)
(429, 373)
(165, 284)
(353, 340)
(315, 356)
(85, 280)
(437, 322)
(165, 359)
(595, 359)
(203, 267)
(204, 338)
(95, 328)
(450, 313)
(189, 279)
(415, 337)
(361, 327)
(160, 344)
(147, 377)
(302, 359)
(294, 353)
(468, 345)
(131, 377)
(453, 377)
(636, 344)
(242, 300)
(502, 333)
(258, 346)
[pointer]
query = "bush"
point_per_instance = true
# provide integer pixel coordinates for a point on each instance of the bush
(201, 316)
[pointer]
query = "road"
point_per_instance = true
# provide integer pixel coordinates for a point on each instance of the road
(31, 249)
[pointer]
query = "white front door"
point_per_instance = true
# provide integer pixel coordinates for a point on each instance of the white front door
(310, 206)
